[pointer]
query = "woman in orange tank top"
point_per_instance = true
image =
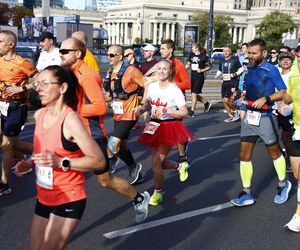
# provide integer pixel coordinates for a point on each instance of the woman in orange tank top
(63, 150)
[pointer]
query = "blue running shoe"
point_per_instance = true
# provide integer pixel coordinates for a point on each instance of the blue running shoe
(283, 193)
(244, 199)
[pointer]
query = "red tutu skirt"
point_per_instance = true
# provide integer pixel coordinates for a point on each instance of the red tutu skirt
(168, 134)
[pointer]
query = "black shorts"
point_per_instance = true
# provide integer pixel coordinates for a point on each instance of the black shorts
(295, 149)
(197, 81)
(226, 90)
(284, 122)
(11, 125)
(72, 210)
(102, 142)
(122, 129)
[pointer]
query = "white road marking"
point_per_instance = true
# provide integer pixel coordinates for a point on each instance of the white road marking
(156, 223)
(217, 137)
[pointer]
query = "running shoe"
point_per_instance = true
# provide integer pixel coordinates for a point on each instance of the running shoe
(191, 114)
(229, 119)
(156, 199)
(134, 173)
(113, 162)
(207, 106)
(139, 180)
(236, 116)
(182, 170)
(4, 189)
(141, 209)
(244, 199)
(283, 193)
(294, 224)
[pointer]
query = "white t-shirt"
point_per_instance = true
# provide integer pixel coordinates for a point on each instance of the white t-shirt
(46, 59)
(285, 78)
(170, 98)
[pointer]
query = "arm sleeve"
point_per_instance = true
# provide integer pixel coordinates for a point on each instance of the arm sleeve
(95, 104)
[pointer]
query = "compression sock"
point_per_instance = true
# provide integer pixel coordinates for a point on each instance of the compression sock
(138, 199)
(246, 170)
(126, 156)
(280, 167)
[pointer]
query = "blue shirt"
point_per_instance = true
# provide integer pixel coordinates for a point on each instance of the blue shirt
(262, 80)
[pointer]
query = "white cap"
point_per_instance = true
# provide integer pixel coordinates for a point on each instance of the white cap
(149, 47)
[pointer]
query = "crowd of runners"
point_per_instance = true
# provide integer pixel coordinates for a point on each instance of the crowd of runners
(70, 135)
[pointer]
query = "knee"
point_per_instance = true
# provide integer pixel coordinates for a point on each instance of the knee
(7, 145)
(105, 180)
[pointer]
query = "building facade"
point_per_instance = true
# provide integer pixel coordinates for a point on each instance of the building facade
(11, 3)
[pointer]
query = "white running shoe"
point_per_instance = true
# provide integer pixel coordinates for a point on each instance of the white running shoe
(141, 209)
(294, 224)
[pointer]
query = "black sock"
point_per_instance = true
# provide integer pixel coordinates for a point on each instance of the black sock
(138, 199)
(126, 156)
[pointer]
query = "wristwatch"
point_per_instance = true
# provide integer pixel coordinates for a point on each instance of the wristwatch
(268, 99)
(65, 164)
(24, 88)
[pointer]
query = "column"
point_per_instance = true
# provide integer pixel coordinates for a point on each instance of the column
(118, 33)
(150, 32)
(108, 33)
(113, 41)
(160, 31)
(167, 31)
(234, 35)
(122, 33)
(154, 32)
(126, 33)
(173, 31)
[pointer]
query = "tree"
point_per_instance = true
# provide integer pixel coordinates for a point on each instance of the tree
(19, 12)
(222, 24)
(273, 26)
(4, 13)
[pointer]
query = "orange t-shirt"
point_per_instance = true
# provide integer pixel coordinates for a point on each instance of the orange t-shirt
(181, 78)
(131, 80)
(55, 186)
(15, 71)
(91, 102)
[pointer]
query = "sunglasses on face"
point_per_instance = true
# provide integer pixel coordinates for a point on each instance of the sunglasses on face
(66, 51)
(111, 55)
(128, 55)
(273, 52)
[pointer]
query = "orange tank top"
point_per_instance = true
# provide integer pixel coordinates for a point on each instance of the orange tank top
(55, 186)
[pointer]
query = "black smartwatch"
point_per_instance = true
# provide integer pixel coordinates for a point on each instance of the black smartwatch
(65, 164)
(24, 88)
(268, 99)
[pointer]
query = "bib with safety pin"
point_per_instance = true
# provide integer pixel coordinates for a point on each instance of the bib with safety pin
(253, 117)
(195, 66)
(44, 176)
(118, 107)
(4, 108)
(226, 77)
(151, 128)
(296, 136)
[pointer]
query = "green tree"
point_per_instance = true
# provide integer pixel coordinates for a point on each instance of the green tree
(4, 13)
(222, 23)
(19, 12)
(273, 26)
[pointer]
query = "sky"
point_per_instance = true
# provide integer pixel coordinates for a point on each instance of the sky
(78, 4)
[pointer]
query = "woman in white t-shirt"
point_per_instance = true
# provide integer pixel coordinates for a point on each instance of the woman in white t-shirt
(168, 106)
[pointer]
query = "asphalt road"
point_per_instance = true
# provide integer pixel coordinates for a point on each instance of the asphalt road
(195, 214)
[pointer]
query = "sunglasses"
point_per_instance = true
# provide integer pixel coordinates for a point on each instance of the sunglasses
(273, 52)
(111, 55)
(66, 51)
(128, 55)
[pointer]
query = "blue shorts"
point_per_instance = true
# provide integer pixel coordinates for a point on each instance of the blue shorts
(11, 124)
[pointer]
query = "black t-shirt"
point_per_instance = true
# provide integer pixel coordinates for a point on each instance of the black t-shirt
(200, 61)
(230, 66)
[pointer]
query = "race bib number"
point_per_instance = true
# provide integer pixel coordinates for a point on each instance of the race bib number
(151, 128)
(118, 107)
(226, 77)
(195, 66)
(44, 176)
(4, 108)
(253, 117)
(296, 136)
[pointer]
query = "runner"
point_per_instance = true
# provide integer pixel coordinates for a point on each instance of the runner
(167, 104)
(259, 121)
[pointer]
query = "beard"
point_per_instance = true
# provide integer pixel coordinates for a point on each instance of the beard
(255, 62)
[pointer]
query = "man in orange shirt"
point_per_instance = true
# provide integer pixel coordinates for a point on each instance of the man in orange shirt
(92, 108)
(122, 81)
(181, 79)
(14, 74)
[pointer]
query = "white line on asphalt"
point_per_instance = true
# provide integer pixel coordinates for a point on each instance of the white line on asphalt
(217, 137)
(156, 223)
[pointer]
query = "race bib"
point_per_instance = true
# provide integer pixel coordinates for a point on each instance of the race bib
(4, 108)
(44, 176)
(118, 107)
(296, 136)
(226, 77)
(195, 66)
(253, 117)
(151, 128)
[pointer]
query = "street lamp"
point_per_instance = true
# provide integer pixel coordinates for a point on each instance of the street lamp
(210, 28)
(141, 21)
